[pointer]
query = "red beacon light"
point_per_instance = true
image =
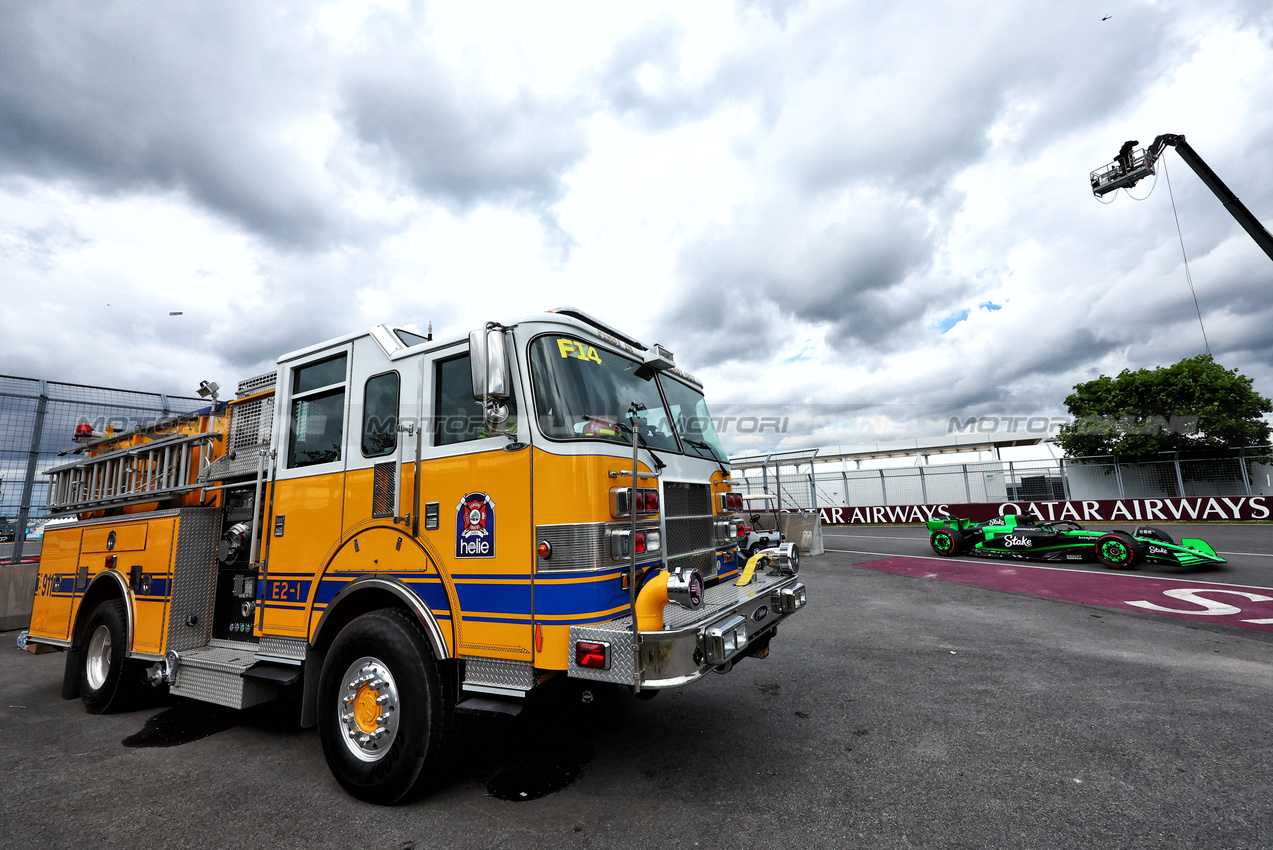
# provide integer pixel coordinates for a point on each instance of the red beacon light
(83, 433)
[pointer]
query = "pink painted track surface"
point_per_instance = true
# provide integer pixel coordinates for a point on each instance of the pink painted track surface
(1211, 602)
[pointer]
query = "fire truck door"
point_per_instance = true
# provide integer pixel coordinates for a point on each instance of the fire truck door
(311, 424)
(475, 487)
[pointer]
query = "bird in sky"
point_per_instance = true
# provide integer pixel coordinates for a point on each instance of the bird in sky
(1107, 17)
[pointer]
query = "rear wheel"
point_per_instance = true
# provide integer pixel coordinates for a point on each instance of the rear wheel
(108, 681)
(947, 542)
(383, 715)
(1118, 550)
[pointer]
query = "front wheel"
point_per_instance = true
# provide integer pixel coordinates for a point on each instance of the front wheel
(947, 542)
(107, 680)
(382, 713)
(1118, 550)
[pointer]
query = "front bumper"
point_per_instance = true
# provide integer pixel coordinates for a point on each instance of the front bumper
(731, 621)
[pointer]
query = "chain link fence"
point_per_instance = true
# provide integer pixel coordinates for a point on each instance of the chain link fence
(37, 420)
(1248, 472)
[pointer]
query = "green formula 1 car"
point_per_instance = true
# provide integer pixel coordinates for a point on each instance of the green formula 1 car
(1025, 537)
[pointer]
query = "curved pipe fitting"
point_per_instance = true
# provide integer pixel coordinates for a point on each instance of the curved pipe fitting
(650, 603)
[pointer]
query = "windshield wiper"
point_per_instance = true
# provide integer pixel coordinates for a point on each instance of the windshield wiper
(626, 428)
(711, 450)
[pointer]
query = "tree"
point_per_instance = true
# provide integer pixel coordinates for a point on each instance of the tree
(1195, 406)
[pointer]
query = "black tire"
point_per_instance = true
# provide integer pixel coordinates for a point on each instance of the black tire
(1118, 550)
(947, 542)
(389, 647)
(108, 680)
(754, 548)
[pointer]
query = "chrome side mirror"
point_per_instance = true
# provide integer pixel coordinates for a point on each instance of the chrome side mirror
(488, 363)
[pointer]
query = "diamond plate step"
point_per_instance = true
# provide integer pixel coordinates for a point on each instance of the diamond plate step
(215, 674)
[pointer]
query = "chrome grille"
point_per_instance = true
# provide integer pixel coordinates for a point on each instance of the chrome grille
(688, 535)
(682, 499)
(704, 562)
(580, 546)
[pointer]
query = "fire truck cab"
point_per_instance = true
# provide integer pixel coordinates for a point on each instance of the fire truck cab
(398, 525)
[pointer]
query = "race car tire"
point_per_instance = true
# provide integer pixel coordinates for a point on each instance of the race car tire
(947, 542)
(1118, 550)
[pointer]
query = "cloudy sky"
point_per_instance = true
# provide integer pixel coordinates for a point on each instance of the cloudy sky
(877, 213)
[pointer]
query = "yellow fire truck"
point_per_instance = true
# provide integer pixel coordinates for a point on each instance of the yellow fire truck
(398, 526)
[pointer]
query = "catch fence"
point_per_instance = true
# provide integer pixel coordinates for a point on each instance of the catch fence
(37, 420)
(809, 484)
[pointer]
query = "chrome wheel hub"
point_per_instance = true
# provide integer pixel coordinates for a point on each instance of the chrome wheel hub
(368, 708)
(97, 662)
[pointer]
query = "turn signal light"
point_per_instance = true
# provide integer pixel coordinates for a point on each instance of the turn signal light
(592, 654)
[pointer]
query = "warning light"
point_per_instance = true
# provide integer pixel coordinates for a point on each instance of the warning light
(544, 549)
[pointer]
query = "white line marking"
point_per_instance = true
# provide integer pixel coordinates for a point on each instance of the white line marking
(1024, 565)
(1252, 554)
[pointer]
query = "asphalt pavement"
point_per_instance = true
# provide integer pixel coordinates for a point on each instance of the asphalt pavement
(892, 712)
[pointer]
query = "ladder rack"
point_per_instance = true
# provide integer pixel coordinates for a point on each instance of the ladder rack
(143, 473)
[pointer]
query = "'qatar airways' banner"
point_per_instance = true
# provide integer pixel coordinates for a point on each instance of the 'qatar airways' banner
(1200, 509)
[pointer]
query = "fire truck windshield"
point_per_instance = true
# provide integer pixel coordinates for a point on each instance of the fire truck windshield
(693, 422)
(583, 392)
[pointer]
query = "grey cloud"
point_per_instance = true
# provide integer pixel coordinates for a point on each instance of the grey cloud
(121, 99)
(455, 144)
(656, 47)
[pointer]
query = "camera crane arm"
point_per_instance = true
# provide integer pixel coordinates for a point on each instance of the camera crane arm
(1131, 166)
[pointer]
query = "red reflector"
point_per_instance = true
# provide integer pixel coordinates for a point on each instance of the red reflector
(544, 549)
(110, 562)
(640, 543)
(588, 654)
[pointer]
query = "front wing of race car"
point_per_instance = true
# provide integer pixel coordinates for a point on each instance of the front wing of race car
(1191, 552)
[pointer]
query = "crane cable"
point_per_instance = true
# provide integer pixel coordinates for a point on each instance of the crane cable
(1188, 276)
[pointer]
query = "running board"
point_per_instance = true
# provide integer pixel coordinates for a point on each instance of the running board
(233, 673)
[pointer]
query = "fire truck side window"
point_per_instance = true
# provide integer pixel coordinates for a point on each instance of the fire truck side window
(457, 418)
(380, 415)
(318, 413)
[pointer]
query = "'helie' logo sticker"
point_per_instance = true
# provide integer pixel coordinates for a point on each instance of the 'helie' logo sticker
(475, 527)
